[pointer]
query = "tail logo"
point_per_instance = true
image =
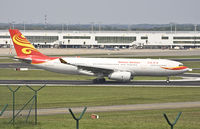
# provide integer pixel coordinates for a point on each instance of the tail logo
(20, 40)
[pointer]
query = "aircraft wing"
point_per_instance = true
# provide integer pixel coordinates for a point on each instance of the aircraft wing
(95, 70)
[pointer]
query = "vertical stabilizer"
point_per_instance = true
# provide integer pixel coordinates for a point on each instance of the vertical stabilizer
(22, 46)
(25, 50)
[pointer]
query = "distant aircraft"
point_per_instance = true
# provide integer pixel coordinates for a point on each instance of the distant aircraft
(123, 70)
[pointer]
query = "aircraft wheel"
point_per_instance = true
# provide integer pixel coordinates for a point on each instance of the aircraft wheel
(99, 80)
(95, 81)
(102, 80)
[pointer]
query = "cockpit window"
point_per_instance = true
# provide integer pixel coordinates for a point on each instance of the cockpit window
(180, 64)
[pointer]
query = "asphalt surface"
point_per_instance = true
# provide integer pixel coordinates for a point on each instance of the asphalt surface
(108, 83)
(196, 75)
(15, 65)
(192, 59)
(194, 82)
(24, 65)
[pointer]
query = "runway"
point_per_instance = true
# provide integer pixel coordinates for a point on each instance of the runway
(108, 83)
(15, 65)
(185, 59)
(22, 65)
(173, 83)
(193, 81)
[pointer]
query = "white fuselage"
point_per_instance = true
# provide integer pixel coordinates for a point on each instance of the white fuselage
(137, 67)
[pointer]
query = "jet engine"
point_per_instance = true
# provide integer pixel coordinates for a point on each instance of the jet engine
(120, 76)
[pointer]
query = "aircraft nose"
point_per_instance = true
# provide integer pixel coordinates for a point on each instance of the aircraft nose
(184, 68)
(187, 69)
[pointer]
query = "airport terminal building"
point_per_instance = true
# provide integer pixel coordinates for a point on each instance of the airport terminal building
(106, 39)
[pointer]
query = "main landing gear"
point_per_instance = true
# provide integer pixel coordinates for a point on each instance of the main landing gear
(99, 80)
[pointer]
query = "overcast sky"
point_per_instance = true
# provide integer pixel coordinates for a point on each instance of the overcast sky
(101, 11)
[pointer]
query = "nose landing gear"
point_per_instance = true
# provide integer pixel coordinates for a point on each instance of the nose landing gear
(168, 81)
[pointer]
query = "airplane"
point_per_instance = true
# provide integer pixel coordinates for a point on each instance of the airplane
(118, 69)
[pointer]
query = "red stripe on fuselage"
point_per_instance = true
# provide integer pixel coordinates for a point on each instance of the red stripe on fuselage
(175, 68)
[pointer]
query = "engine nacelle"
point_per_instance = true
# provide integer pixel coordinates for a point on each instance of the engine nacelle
(120, 76)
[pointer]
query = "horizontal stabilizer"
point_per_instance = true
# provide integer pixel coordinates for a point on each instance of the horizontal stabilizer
(24, 60)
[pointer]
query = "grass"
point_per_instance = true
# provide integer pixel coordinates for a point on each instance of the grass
(8, 61)
(51, 97)
(152, 119)
(114, 55)
(191, 64)
(90, 96)
(11, 74)
(74, 96)
(123, 55)
(194, 71)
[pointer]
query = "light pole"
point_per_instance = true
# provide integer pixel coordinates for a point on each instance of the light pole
(24, 26)
(13, 24)
(62, 27)
(92, 26)
(175, 28)
(195, 28)
(99, 26)
(171, 26)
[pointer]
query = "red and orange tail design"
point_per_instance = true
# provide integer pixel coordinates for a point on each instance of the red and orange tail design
(25, 49)
(22, 46)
